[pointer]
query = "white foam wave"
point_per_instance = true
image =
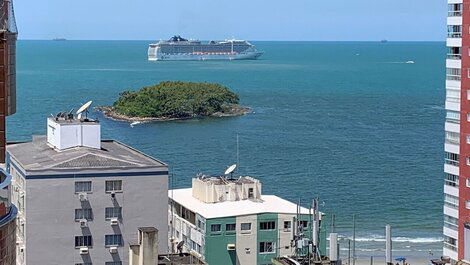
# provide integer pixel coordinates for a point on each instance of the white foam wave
(399, 239)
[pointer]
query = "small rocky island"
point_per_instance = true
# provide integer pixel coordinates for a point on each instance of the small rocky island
(175, 100)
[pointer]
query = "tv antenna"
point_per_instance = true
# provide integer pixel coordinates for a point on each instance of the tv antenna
(84, 108)
(230, 170)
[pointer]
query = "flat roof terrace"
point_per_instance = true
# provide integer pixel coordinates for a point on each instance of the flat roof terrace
(38, 156)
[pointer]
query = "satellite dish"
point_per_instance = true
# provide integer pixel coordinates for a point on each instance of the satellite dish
(230, 169)
(84, 107)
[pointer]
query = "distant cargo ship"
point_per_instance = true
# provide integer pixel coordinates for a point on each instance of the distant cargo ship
(180, 49)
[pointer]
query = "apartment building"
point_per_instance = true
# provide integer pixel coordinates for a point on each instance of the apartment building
(457, 133)
(82, 200)
(229, 221)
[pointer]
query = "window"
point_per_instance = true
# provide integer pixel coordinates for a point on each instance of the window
(113, 185)
(453, 74)
(215, 228)
(454, 31)
(287, 225)
(453, 116)
(453, 95)
(113, 212)
(303, 224)
(467, 204)
(451, 201)
(113, 240)
(450, 243)
(267, 225)
(86, 214)
(230, 227)
(245, 227)
(451, 222)
(452, 137)
(113, 263)
(83, 186)
(250, 193)
(83, 241)
(468, 182)
(451, 159)
(454, 10)
(451, 180)
(267, 247)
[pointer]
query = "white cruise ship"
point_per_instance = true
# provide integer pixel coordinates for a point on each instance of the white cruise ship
(180, 49)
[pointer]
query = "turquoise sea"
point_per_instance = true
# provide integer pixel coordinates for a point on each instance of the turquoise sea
(349, 122)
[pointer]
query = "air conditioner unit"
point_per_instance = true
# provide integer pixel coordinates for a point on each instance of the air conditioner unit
(231, 247)
(83, 223)
(113, 194)
(114, 221)
(83, 250)
(113, 250)
(82, 196)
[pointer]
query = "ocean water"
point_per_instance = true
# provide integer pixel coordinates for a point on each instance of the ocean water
(349, 122)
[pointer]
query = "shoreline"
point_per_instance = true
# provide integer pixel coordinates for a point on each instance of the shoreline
(110, 113)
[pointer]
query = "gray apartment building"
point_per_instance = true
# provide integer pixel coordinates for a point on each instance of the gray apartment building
(82, 199)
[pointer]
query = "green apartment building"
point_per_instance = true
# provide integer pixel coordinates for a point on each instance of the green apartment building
(229, 222)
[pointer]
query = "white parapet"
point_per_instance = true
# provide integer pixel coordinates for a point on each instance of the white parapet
(451, 169)
(454, 191)
(454, 42)
(453, 63)
(451, 212)
(452, 127)
(454, 21)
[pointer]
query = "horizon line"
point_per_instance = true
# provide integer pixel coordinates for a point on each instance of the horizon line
(444, 40)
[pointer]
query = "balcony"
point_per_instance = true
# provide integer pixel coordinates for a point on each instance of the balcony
(451, 56)
(8, 211)
(454, 13)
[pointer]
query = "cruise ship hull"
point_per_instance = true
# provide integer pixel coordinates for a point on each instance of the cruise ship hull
(205, 57)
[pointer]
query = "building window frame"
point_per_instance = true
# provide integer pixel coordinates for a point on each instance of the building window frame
(245, 228)
(83, 241)
(112, 212)
(287, 226)
(216, 228)
(83, 214)
(267, 225)
(113, 185)
(231, 227)
(83, 186)
(267, 247)
(114, 240)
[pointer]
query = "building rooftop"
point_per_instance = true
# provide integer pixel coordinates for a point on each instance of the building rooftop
(38, 155)
(267, 204)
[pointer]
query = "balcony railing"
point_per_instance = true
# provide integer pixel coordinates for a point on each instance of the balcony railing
(455, 13)
(454, 56)
(450, 246)
(454, 34)
(5, 184)
(453, 77)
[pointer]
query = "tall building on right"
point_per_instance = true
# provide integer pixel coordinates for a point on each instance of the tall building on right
(457, 133)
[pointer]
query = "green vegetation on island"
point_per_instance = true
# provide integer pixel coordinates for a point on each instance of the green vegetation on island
(171, 100)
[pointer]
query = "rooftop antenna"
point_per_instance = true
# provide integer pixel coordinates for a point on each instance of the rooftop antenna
(84, 108)
(230, 170)
(238, 152)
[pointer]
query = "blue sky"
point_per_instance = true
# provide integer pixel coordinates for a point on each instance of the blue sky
(245, 19)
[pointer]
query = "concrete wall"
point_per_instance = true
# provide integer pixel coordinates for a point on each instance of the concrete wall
(285, 235)
(216, 243)
(50, 217)
(246, 241)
